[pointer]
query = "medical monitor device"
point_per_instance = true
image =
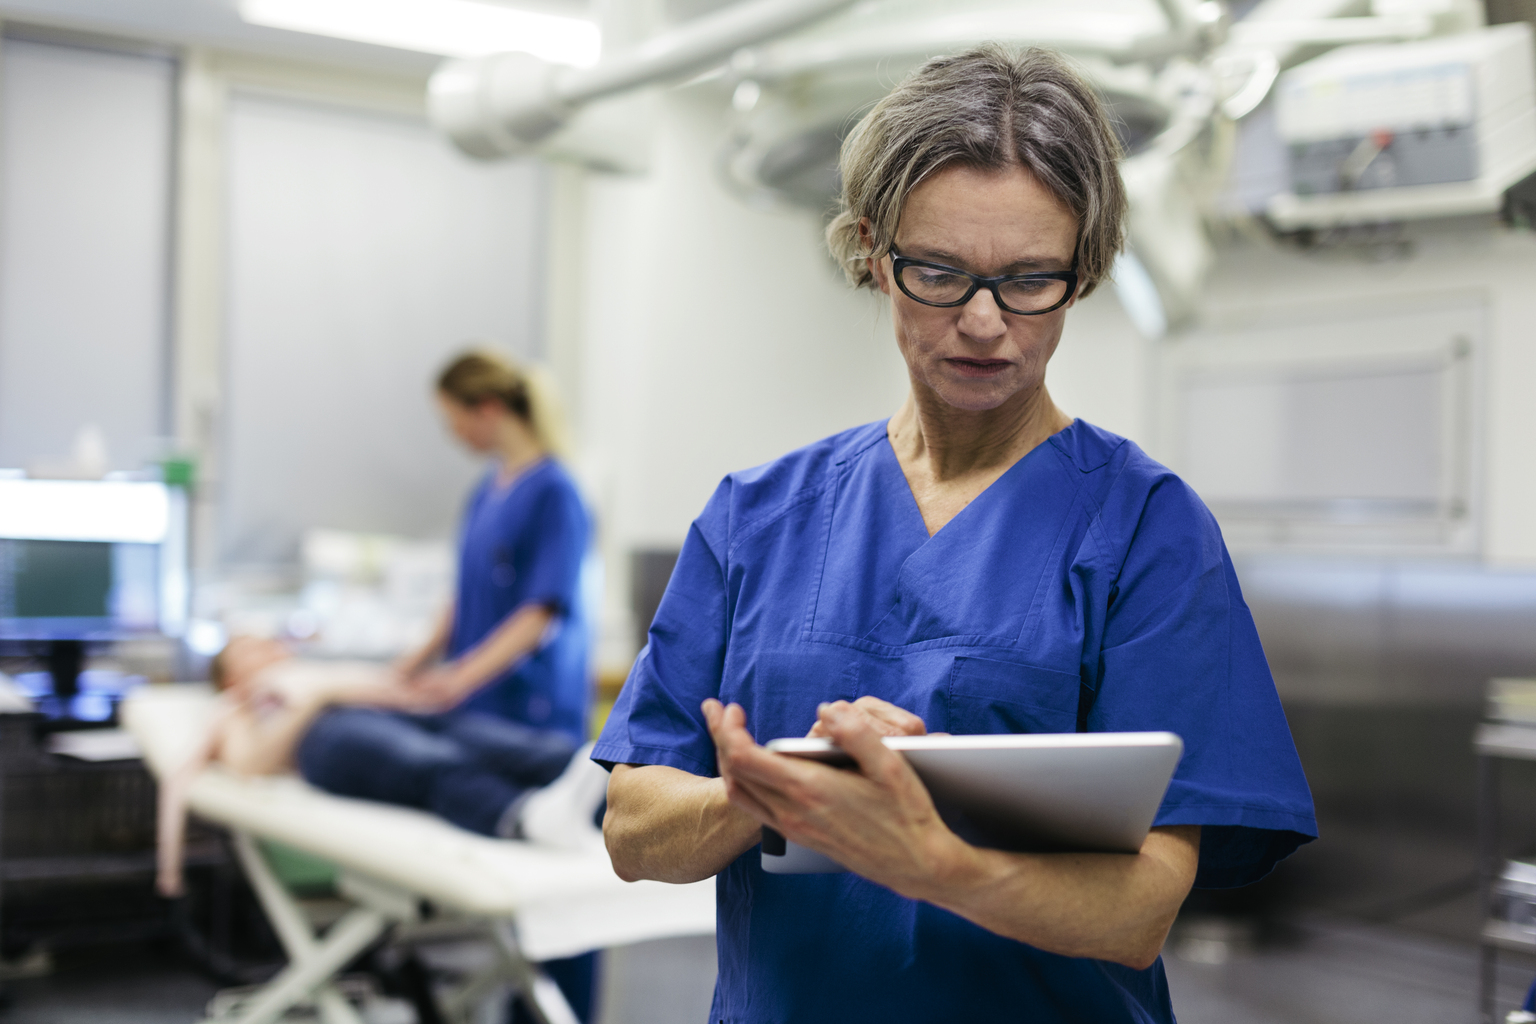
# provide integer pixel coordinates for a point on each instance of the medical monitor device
(1394, 131)
(92, 560)
(1039, 792)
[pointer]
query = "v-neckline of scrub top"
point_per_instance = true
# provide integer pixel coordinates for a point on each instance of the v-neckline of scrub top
(499, 489)
(888, 455)
(886, 584)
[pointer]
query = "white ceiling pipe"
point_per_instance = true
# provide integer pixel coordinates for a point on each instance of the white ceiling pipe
(504, 104)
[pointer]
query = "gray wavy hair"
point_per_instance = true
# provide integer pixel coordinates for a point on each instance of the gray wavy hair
(989, 108)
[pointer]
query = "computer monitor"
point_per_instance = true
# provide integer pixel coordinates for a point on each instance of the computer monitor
(91, 560)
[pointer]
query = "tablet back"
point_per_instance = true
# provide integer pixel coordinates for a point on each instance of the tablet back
(1040, 792)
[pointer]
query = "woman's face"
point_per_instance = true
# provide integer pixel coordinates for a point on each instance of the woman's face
(978, 357)
(474, 425)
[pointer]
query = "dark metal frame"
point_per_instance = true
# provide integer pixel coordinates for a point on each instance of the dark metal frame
(1494, 743)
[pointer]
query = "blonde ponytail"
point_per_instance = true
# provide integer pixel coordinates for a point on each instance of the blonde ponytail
(527, 392)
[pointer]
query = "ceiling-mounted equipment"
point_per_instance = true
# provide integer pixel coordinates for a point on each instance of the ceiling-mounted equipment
(1175, 74)
(506, 104)
(797, 97)
(1427, 129)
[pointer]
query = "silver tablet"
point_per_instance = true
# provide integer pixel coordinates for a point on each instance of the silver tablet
(1083, 792)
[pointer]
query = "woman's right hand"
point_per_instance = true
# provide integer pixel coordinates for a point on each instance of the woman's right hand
(884, 717)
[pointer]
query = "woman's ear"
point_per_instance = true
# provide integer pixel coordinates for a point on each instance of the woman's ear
(876, 264)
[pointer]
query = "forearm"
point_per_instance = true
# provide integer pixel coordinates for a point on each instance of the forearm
(379, 695)
(171, 812)
(358, 683)
(671, 826)
(418, 659)
(516, 637)
(170, 835)
(1115, 907)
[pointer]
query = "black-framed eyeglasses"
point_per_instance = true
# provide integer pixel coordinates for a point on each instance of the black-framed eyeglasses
(934, 284)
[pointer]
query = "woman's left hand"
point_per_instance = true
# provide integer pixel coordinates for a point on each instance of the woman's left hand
(878, 821)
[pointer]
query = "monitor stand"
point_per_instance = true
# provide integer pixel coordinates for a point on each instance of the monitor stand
(65, 659)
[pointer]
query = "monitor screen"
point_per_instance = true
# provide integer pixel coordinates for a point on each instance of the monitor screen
(91, 560)
(70, 589)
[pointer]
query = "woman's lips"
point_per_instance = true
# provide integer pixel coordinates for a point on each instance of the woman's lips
(979, 367)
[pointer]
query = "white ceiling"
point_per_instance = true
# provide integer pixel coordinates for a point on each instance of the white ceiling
(216, 23)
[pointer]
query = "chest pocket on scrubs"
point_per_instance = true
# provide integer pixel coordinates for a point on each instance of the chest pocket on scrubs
(988, 696)
(782, 688)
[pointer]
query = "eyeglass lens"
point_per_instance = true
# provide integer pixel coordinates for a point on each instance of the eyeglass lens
(1022, 295)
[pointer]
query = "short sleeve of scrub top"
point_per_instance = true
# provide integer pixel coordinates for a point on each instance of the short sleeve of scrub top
(524, 544)
(1088, 587)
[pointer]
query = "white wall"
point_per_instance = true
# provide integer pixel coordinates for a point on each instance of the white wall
(363, 252)
(1100, 371)
(717, 336)
(85, 181)
(713, 337)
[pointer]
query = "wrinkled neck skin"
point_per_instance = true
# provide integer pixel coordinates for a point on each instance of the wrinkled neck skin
(955, 443)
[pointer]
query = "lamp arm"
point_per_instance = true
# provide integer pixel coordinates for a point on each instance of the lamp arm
(693, 47)
(506, 103)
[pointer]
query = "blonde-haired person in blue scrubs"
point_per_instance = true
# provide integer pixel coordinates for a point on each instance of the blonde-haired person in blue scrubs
(515, 644)
(981, 562)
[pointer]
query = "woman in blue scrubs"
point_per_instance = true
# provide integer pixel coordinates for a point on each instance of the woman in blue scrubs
(981, 562)
(514, 643)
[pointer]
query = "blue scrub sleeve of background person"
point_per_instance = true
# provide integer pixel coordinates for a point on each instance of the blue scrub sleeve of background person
(552, 577)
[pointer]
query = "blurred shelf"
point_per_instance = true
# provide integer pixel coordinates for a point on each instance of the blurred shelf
(1507, 937)
(1494, 741)
(99, 867)
(1501, 740)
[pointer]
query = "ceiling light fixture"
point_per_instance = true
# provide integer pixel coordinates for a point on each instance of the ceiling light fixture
(454, 28)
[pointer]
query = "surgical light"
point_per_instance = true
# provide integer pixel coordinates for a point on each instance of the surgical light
(453, 28)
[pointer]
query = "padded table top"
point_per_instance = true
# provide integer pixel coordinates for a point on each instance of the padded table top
(564, 902)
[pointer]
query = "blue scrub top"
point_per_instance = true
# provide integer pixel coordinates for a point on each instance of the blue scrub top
(1088, 580)
(524, 544)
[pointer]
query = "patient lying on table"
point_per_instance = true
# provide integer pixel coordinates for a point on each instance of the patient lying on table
(358, 730)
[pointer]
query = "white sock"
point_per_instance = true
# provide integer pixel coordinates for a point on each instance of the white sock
(560, 814)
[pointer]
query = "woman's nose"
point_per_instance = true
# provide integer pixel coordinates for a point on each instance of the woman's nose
(981, 318)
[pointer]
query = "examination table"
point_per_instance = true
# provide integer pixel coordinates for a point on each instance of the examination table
(410, 878)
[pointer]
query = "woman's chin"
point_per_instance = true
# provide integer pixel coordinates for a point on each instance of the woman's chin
(975, 395)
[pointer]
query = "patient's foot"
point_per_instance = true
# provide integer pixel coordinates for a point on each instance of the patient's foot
(561, 813)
